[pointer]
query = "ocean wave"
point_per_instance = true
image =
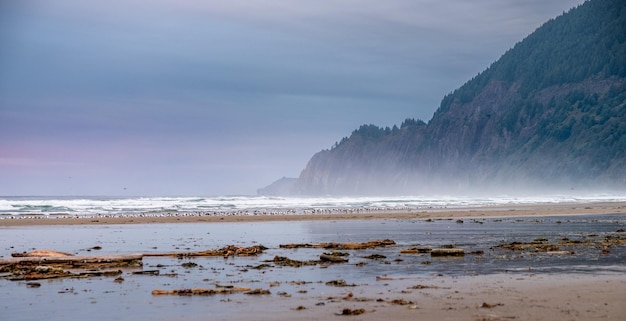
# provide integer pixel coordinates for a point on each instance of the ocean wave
(130, 205)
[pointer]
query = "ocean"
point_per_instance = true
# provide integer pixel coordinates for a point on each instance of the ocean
(246, 205)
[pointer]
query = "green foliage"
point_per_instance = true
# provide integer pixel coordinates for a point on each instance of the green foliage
(587, 41)
(369, 132)
(555, 106)
(374, 133)
(411, 122)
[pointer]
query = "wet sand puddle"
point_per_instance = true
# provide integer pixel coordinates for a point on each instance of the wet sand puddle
(302, 266)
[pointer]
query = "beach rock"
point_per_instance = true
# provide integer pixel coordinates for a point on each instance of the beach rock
(296, 246)
(359, 246)
(421, 287)
(225, 286)
(47, 269)
(401, 302)
(416, 250)
(537, 245)
(337, 253)
(332, 259)
(147, 272)
(41, 273)
(375, 257)
(560, 252)
(227, 251)
(285, 261)
(339, 283)
(100, 273)
(258, 292)
(486, 305)
(341, 246)
(189, 265)
(200, 291)
(261, 266)
(347, 311)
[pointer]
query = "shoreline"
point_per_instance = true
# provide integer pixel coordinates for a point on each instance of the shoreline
(373, 288)
(588, 208)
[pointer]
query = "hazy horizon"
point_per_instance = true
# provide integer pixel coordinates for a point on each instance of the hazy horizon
(152, 98)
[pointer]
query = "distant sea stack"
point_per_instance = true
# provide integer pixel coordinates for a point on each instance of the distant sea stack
(550, 112)
(283, 186)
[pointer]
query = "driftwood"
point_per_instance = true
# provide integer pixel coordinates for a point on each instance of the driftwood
(41, 253)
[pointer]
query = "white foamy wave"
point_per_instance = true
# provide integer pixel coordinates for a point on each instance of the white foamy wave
(79, 206)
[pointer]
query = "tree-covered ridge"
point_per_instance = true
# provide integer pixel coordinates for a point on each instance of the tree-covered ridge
(588, 40)
(552, 107)
(372, 132)
(550, 112)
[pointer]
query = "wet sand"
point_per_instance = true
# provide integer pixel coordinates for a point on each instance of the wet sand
(491, 297)
(339, 214)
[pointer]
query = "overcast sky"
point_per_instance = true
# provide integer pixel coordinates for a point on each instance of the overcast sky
(202, 98)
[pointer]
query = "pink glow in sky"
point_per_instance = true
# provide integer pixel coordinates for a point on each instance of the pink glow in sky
(224, 97)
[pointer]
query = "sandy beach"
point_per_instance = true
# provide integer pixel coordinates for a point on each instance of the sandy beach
(528, 294)
(493, 297)
(434, 213)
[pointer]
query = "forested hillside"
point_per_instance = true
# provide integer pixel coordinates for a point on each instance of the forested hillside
(550, 112)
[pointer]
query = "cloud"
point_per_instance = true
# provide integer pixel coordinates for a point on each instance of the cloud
(242, 89)
(303, 47)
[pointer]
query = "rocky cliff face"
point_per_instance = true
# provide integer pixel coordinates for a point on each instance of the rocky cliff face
(572, 134)
(551, 111)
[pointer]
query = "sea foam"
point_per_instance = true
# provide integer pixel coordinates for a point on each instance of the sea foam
(88, 206)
